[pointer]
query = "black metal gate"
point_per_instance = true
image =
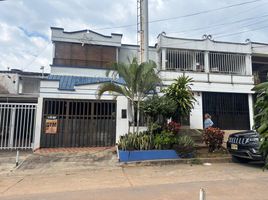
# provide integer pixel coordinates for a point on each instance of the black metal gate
(79, 123)
(229, 111)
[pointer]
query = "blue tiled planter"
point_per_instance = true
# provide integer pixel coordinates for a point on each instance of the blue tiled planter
(128, 156)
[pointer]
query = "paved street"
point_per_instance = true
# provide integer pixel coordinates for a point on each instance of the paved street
(221, 181)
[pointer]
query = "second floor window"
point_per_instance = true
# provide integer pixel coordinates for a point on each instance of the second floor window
(184, 60)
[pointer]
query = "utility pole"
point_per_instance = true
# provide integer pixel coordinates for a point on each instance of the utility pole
(143, 30)
(42, 68)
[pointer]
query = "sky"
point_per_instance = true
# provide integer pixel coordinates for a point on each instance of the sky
(25, 35)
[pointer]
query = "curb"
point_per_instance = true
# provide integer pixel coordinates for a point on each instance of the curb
(177, 161)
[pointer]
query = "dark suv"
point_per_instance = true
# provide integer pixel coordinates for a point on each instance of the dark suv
(244, 146)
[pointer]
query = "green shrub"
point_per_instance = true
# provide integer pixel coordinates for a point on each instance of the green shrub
(134, 141)
(213, 137)
(261, 117)
(158, 109)
(184, 145)
(155, 128)
(146, 141)
(164, 140)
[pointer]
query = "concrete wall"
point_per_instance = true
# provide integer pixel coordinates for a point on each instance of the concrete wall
(128, 52)
(9, 83)
(196, 115)
(85, 36)
(69, 71)
(203, 44)
(212, 82)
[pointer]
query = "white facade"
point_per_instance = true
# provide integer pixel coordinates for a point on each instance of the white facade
(205, 80)
(235, 77)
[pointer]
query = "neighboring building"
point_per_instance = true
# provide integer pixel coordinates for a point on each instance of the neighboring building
(19, 92)
(70, 115)
(19, 86)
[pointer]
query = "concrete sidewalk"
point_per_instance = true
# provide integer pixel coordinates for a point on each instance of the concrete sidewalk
(221, 181)
(8, 160)
(57, 160)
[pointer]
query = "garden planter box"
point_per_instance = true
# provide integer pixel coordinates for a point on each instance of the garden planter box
(128, 156)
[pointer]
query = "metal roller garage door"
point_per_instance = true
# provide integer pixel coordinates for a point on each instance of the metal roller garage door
(229, 111)
(78, 123)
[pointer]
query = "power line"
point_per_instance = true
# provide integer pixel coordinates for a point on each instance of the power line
(217, 25)
(245, 26)
(237, 33)
(35, 57)
(220, 36)
(185, 16)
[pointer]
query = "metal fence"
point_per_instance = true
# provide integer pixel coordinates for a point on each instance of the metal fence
(17, 123)
(229, 63)
(185, 60)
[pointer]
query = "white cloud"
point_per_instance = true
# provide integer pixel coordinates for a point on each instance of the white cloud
(29, 49)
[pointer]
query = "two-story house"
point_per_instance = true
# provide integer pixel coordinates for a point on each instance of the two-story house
(222, 74)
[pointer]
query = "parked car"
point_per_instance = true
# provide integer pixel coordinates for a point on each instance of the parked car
(244, 146)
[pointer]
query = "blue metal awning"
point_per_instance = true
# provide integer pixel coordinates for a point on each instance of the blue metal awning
(68, 82)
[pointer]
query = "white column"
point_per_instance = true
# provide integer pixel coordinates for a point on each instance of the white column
(38, 123)
(206, 61)
(20, 85)
(121, 124)
(164, 59)
(251, 110)
(117, 54)
(196, 115)
(248, 65)
(194, 61)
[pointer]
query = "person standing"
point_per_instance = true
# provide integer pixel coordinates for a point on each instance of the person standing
(208, 122)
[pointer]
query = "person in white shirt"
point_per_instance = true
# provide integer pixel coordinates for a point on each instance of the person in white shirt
(208, 122)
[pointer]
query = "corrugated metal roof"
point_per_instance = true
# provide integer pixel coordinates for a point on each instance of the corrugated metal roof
(68, 82)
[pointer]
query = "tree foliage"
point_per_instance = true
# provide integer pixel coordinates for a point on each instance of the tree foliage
(156, 107)
(261, 115)
(180, 91)
(140, 81)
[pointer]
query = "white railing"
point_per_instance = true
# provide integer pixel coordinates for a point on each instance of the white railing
(184, 60)
(229, 63)
(216, 62)
(17, 123)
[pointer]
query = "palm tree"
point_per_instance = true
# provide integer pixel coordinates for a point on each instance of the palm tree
(140, 80)
(180, 91)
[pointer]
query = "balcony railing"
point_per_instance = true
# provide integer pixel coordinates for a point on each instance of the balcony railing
(216, 62)
(229, 63)
(185, 60)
